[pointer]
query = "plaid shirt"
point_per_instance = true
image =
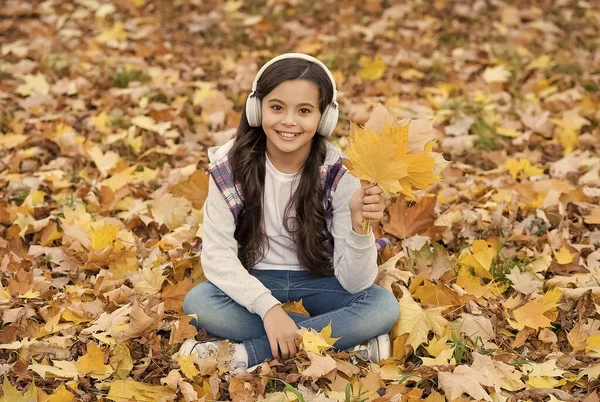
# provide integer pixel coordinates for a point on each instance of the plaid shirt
(223, 177)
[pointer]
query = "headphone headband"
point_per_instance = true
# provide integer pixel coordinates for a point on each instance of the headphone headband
(296, 56)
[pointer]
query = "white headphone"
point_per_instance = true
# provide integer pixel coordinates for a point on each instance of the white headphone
(330, 115)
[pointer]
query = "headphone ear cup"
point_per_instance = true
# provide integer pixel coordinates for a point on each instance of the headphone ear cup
(328, 121)
(253, 112)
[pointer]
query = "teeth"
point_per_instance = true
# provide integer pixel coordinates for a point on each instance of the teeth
(287, 135)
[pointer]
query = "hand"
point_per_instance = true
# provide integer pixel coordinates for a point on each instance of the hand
(281, 331)
(366, 203)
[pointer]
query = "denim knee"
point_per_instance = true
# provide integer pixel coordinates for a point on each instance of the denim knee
(388, 308)
(198, 299)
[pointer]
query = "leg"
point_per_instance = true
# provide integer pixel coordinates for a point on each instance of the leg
(354, 317)
(220, 315)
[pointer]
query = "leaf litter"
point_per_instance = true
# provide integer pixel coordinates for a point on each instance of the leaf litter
(106, 111)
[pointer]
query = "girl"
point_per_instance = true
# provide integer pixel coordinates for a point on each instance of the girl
(282, 222)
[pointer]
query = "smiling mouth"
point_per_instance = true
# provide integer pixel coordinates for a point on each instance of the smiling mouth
(285, 134)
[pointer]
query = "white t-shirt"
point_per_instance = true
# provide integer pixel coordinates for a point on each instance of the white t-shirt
(281, 251)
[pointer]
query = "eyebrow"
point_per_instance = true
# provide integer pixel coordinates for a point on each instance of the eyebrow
(302, 104)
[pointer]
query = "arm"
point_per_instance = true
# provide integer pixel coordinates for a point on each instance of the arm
(220, 262)
(355, 254)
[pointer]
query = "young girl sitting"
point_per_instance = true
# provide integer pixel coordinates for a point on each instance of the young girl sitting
(283, 222)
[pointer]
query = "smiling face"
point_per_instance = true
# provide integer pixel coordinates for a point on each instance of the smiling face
(290, 116)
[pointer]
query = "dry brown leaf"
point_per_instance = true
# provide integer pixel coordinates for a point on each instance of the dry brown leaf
(194, 188)
(406, 221)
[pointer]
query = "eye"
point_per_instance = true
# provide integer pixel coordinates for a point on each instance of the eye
(305, 111)
(274, 107)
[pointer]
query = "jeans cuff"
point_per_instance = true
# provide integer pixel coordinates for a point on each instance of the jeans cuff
(252, 358)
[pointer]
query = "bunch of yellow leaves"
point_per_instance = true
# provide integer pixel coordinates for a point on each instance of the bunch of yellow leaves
(397, 155)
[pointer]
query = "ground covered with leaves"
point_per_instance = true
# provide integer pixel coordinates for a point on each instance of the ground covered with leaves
(107, 109)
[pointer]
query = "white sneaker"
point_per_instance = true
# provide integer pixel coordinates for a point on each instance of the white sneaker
(374, 350)
(238, 364)
(202, 349)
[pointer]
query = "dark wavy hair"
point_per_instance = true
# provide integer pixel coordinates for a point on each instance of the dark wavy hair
(308, 227)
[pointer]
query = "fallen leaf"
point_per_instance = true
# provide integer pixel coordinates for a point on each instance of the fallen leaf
(417, 322)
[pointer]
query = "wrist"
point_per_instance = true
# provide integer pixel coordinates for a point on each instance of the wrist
(273, 309)
(358, 228)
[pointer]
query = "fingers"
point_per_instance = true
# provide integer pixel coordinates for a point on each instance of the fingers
(374, 211)
(374, 189)
(274, 348)
(283, 346)
(379, 207)
(292, 347)
(373, 199)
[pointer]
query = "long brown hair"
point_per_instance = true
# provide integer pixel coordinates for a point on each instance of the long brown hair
(307, 227)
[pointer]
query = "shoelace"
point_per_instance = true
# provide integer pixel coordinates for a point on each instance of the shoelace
(205, 350)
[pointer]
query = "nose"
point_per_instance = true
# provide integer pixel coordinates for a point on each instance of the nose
(288, 119)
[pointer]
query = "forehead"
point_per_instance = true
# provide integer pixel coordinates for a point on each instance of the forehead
(295, 92)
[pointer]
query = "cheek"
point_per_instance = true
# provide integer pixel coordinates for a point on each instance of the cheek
(314, 120)
(268, 118)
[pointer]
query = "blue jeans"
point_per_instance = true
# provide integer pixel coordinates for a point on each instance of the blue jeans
(354, 317)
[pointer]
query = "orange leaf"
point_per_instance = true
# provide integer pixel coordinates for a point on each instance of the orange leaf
(174, 294)
(182, 330)
(406, 222)
(194, 188)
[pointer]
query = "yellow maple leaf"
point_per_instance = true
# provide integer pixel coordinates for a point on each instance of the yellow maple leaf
(171, 211)
(538, 313)
(150, 281)
(372, 158)
(103, 235)
(128, 176)
(60, 369)
(12, 140)
(134, 142)
(384, 158)
(200, 95)
(326, 333)
(420, 174)
(49, 234)
(372, 69)
(12, 394)
(186, 364)
(61, 394)
(592, 345)
(34, 84)
(437, 345)
(569, 128)
(92, 363)
(521, 168)
(115, 34)
(128, 389)
(148, 123)
(480, 256)
(410, 74)
(417, 322)
(123, 263)
(317, 342)
(121, 360)
(563, 256)
(100, 123)
(479, 282)
(104, 161)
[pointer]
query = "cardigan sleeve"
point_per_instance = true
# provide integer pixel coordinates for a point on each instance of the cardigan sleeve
(354, 255)
(220, 262)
